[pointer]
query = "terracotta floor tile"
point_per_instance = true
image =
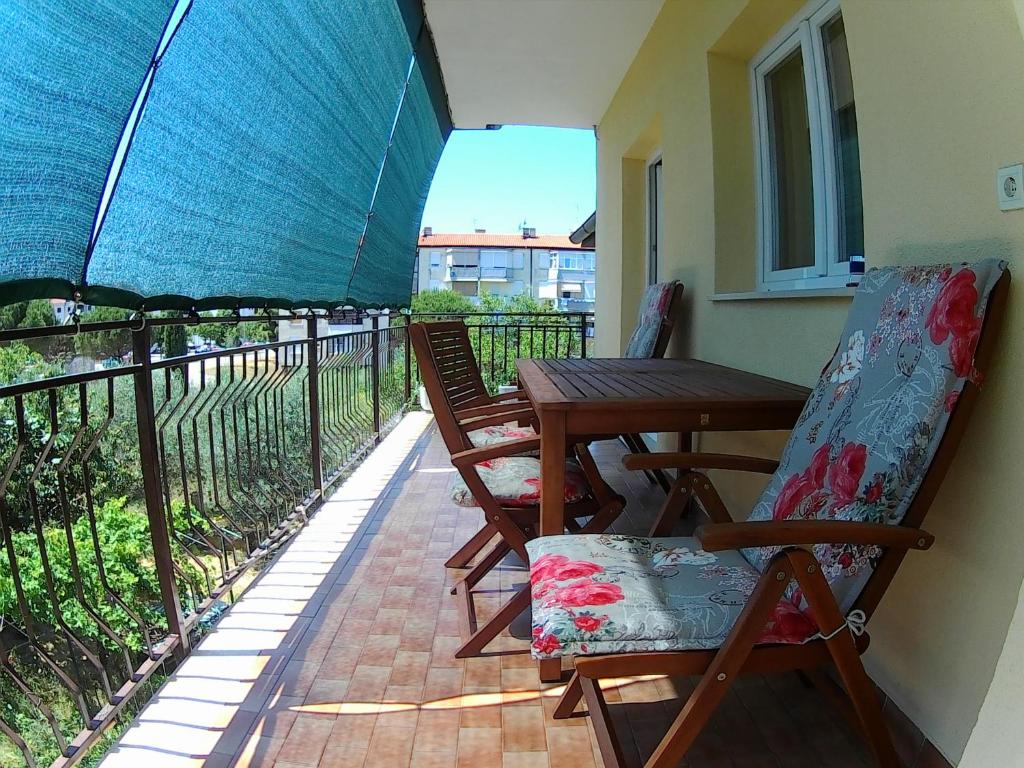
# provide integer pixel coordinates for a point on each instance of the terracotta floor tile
(379, 651)
(367, 683)
(525, 760)
(390, 747)
(306, 740)
(389, 621)
(410, 668)
(522, 729)
(434, 759)
(437, 731)
(352, 731)
(442, 683)
(479, 747)
(570, 748)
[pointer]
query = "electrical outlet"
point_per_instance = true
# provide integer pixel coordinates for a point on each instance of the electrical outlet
(1010, 187)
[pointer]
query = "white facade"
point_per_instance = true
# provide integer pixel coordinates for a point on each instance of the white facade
(566, 276)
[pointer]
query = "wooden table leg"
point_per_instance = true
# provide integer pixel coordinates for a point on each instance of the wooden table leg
(552, 473)
(552, 501)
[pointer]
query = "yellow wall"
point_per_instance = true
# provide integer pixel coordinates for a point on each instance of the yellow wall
(940, 106)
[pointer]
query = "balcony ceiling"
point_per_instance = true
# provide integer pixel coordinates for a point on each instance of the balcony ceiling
(536, 62)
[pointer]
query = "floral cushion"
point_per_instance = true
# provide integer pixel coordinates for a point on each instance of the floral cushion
(654, 307)
(514, 481)
(595, 594)
(873, 422)
(500, 433)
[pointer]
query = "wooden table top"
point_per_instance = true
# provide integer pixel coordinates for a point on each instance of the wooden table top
(624, 383)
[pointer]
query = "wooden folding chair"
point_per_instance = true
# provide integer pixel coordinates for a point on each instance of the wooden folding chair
(445, 355)
(792, 588)
(657, 316)
(499, 470)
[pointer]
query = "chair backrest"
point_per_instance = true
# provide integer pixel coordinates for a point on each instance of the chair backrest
(882, 424)
(450, 375)
(659, 308)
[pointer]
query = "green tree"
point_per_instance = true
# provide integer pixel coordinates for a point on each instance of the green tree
(38, 314)
(173, 339)
(19, 363)
(101, 344)
(12, 315)
(441, 303)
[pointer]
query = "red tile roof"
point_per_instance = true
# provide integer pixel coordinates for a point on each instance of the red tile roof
(487, 240)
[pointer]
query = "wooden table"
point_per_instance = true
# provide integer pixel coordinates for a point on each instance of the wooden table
(612, 396)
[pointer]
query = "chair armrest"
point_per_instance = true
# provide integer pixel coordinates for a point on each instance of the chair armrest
(508, 448)
(719, 536)
(502, 417)
(699, 461)
(487, 410)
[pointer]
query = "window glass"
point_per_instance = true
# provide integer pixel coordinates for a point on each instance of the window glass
(790, 142)
(846, 148)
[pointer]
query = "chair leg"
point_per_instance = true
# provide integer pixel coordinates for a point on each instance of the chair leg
(859, 687)
(470, 549)
(483, 635)
(674, 506)
(605, 516)
(481, 569)
(570, 698)
(718, 677)
(706, 494)
(600, 718)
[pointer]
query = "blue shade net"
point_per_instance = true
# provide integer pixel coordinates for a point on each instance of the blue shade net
(69, 73)
(383, 272)
(281, 144)
(251, 174)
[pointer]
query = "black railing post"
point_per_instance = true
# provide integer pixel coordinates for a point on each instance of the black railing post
(375, 374)
(408, 359)
(159, 531)
(315, 451)
(583, 335)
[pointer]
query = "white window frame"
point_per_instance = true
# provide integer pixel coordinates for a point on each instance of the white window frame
(655, 226)
(804, 33)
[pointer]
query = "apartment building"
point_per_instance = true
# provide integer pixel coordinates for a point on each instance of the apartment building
(476, 263)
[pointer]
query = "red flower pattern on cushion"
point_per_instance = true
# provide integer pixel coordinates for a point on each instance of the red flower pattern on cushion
(577, 569)
(845, 473)
(951, 400)
(589, 623)
(583, 593)
(545, 567)
(545, 644)
(788, 624)
(802, 485)
(953, 315)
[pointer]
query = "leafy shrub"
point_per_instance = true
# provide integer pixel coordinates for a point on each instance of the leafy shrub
(123, 535)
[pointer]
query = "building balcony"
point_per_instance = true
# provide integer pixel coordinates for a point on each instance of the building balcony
(458, 274)
(494, 273)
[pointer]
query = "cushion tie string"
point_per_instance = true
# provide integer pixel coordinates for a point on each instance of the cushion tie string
(855, 621)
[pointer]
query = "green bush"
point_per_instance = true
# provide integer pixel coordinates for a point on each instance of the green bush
(123, 534)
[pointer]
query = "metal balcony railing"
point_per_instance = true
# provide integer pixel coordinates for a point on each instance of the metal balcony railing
(136, 500)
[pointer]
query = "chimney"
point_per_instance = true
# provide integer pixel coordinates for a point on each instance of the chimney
(428, 231)
(529, 232)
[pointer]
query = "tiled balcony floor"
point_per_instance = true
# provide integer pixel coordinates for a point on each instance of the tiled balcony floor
(341, 655)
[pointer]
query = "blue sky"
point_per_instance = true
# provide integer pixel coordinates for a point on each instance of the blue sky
(496, 179)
